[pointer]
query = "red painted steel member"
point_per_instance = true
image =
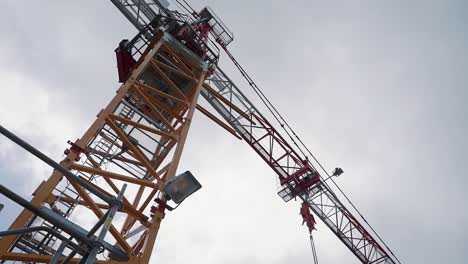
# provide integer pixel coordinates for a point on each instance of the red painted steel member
(307, 217)
(125, 61)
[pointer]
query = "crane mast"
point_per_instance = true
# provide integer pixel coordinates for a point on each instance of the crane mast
(139, 137)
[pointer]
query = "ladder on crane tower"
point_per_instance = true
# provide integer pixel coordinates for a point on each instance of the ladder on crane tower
(298, 176)
(180, 48)
(66, 198)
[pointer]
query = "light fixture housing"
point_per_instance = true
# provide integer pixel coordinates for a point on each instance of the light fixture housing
(181, 186)
(337, 172)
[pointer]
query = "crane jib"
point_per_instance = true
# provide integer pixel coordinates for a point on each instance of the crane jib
(297, 175)
(138, 139)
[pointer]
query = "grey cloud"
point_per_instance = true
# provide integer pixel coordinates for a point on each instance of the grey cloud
(375, 87)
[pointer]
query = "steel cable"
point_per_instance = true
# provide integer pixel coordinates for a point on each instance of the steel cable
(282, 122)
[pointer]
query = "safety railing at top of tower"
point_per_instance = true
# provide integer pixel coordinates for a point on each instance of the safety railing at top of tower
(206, 48)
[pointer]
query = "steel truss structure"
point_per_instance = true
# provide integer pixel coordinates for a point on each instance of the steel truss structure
(299, 176)
(139, 137)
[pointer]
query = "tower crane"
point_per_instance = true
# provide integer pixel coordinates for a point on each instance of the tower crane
(136, 141)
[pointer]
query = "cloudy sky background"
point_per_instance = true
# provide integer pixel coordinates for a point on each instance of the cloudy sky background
(375, 87)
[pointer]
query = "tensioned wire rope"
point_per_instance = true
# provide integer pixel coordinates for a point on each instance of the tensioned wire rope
(285, 126)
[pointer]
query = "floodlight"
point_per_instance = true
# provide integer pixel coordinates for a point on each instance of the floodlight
(181, 186)
(337, 172)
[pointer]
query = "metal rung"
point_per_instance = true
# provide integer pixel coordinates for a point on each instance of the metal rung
(72, 191)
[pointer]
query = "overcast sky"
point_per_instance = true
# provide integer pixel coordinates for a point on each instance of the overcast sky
(375, 87)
